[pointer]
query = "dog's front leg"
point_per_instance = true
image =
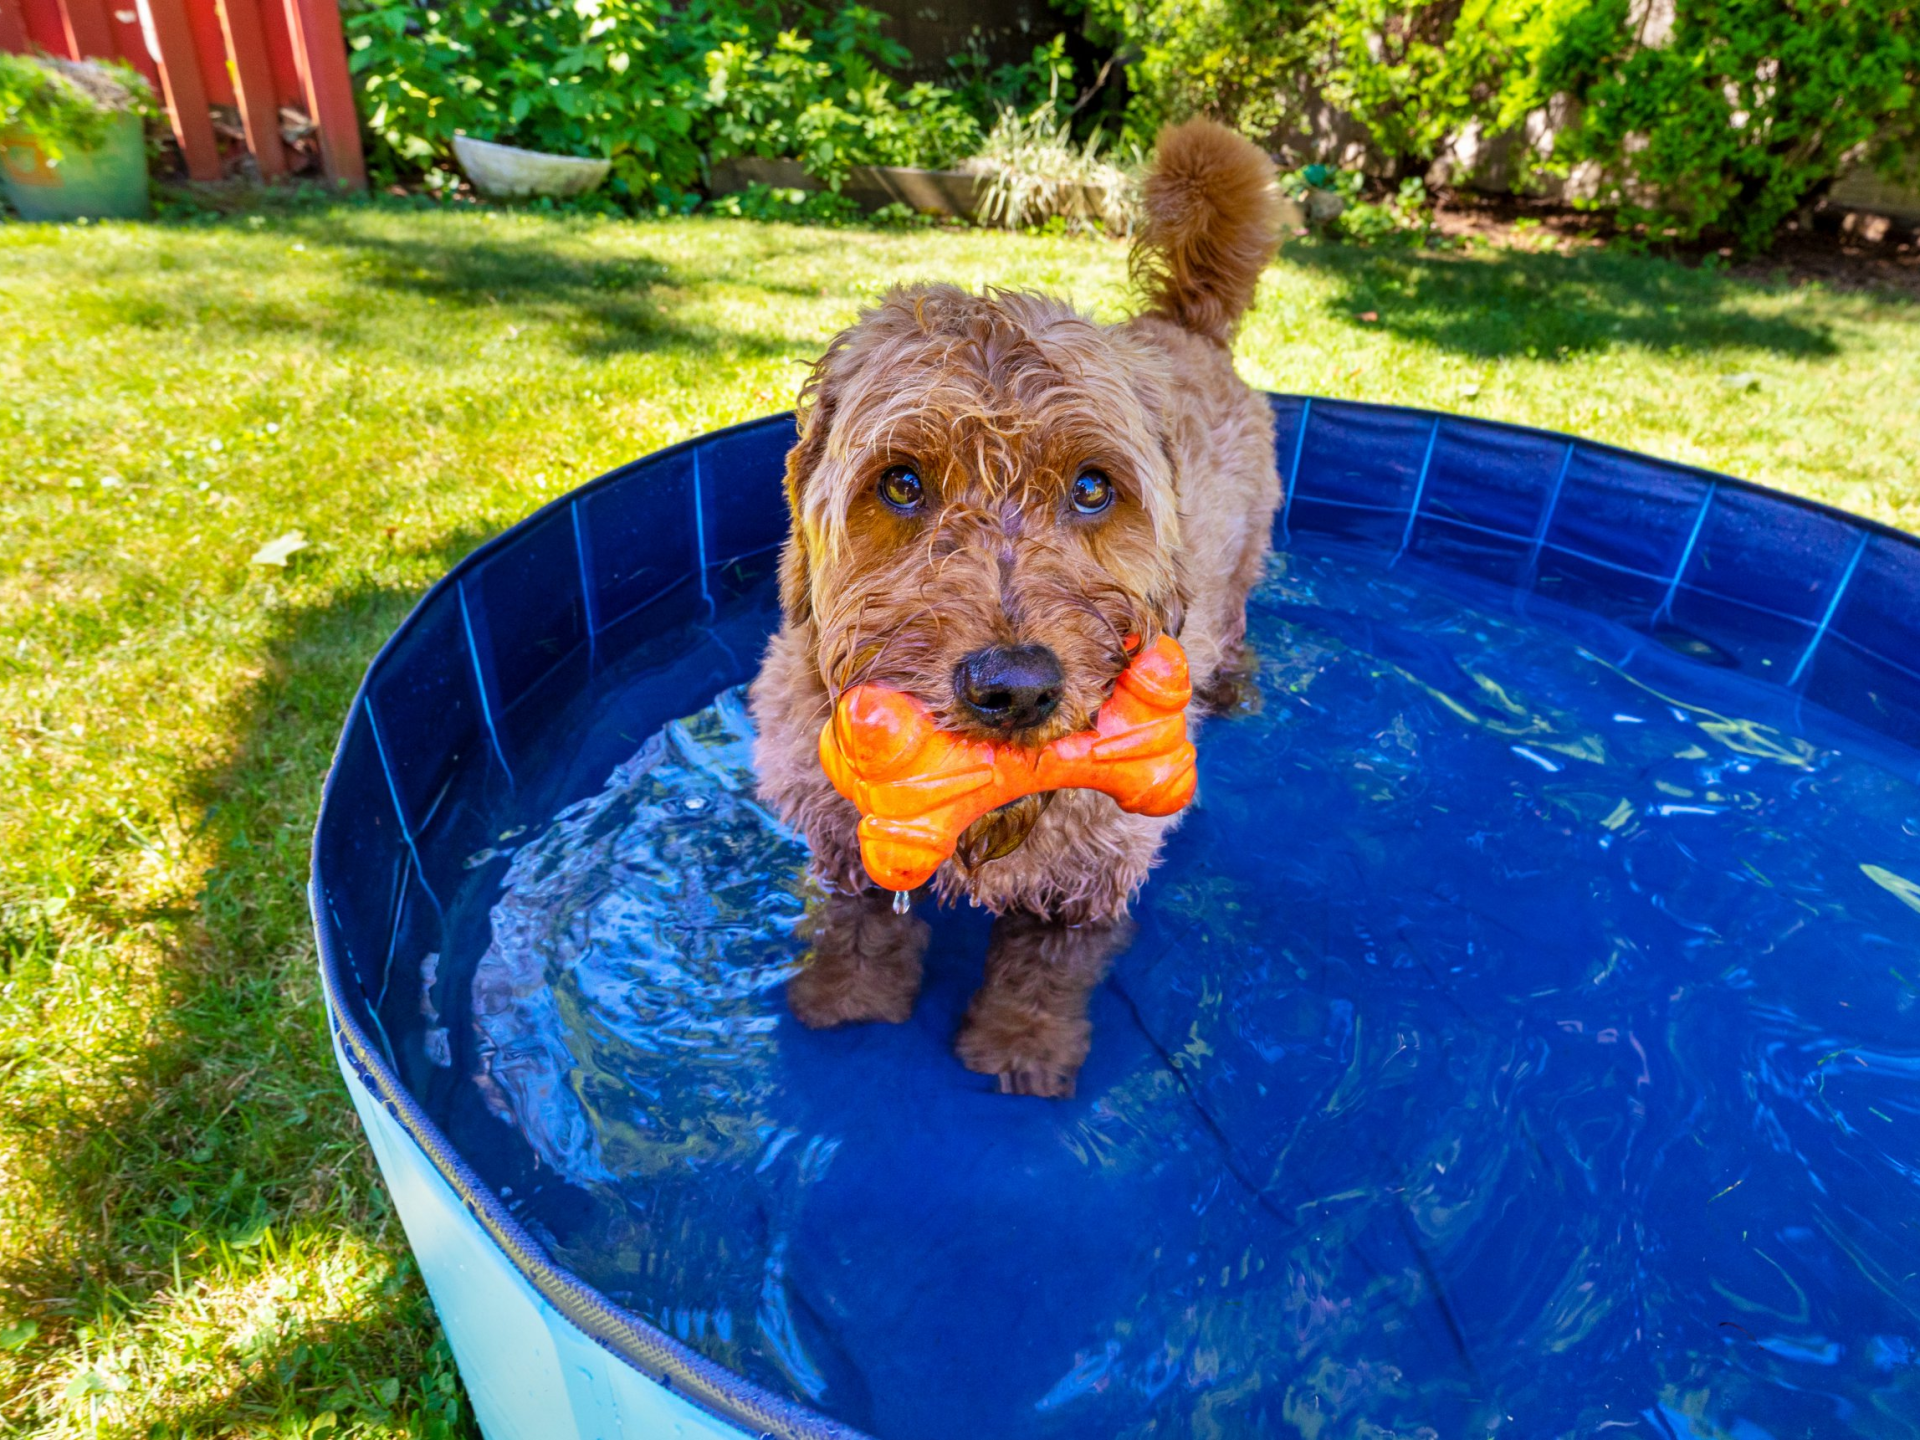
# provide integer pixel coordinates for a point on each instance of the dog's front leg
(1028, 1023)
(863, 964)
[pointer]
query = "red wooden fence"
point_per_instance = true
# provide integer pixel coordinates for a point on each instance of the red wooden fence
(258, 57)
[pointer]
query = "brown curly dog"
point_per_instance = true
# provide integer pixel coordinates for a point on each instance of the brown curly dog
(989, 495)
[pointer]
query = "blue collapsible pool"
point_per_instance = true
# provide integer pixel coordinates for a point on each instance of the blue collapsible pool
(1522, 1033)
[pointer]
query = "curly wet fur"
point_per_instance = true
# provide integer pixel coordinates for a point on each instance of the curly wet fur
(999, 401)
(1212, 213)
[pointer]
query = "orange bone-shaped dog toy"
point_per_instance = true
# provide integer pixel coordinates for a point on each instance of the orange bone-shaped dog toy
(918, 788)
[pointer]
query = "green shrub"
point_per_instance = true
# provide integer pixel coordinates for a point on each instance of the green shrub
(1405, 217)
(623, 79)
(1411, 74)
(985, 89)
(1414, 75)
(1749, 109)
(655, 86)
(65, 106)
(1238, 61)
(826, 101)
(1739, 116)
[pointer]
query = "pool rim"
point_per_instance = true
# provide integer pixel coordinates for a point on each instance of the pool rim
(728, 1396)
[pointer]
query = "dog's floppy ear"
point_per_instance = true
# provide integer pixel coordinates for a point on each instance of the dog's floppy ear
(796, 580)
(817, 400)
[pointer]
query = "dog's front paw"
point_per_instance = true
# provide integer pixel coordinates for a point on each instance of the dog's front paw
(842, 991)
(864, 964)
(1028, 1051)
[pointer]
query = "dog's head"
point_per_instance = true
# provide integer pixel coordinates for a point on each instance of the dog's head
(983, 510)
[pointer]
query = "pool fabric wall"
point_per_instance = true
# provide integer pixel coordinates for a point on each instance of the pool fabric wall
(1821, 607)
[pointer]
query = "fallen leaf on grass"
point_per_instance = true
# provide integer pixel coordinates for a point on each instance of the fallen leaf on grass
(276, 551)
(1369, 316)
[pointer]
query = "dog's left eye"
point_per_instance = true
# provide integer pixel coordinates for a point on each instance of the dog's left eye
(1092, 492)
(901, 488)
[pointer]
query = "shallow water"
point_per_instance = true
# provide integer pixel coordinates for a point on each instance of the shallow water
(1510, 1044)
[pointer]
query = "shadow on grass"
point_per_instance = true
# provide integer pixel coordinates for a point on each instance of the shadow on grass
(215, 1130)
(1551, 306)
(291, 1376)
(605, 304)
(593, 287)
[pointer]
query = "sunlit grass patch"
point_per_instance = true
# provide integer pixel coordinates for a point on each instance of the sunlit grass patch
(270, 1337)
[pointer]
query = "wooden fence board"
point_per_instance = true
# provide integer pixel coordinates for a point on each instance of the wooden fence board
(130, 43)
(204, 20)
(253, 84)
(89, 36)
(322, 46)
(13, 26)
(287, 89)
(186, 95)
(45, 29)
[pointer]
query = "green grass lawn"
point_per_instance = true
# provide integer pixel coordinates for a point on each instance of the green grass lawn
(192, 1238)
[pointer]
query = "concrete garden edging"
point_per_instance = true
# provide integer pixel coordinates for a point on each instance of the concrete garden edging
(506, 172)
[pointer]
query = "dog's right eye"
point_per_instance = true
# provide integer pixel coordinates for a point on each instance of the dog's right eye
(900, 487)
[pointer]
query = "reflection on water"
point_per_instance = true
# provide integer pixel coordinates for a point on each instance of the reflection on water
(1510, 1044)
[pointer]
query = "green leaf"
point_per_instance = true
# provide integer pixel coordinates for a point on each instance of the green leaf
(19, 1334)
(1903, 889)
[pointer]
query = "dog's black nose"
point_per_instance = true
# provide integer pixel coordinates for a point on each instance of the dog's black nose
(1010, 687)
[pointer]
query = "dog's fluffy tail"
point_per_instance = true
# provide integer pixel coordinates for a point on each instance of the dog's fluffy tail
(1212, 224)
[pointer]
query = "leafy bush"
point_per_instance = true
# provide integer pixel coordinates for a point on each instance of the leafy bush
(1404, 217)
(655, 86)
(623, 79)
(1415, 75)
(64, 105)
(985, 89)
(1747, 110)
(1239, 61)
(825, 101)
(1735, 118)
(1411, 74)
